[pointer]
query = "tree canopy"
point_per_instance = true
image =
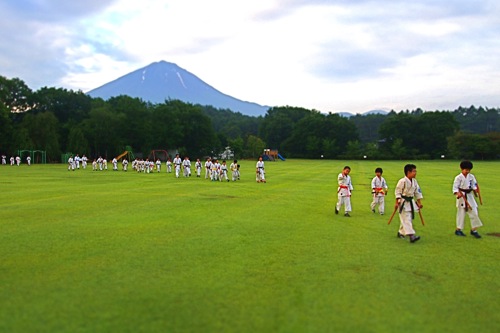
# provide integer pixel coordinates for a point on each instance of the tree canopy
(58, 121)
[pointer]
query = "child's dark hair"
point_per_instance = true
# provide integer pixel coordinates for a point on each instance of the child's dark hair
(347, 167)
(466, 165)
(378, 170)
(409, 167)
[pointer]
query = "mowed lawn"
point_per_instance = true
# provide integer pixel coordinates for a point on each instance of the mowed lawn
(108, 251)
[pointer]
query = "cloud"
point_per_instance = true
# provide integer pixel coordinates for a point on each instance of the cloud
(331, 55)
(36, 34)
(52, 10)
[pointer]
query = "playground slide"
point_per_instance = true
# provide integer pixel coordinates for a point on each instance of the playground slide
(281, 157)
(121, 155)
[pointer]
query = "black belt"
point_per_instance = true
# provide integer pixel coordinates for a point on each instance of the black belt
(466, 191)
(410, 200)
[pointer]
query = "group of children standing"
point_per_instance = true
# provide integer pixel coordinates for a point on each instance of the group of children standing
(15, 161)
(216, 171)
(409, 195)
(74, 162)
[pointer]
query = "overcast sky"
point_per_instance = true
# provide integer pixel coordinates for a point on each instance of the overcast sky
(328, 55)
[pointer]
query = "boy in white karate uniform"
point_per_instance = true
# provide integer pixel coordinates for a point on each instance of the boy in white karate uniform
(464, 188)
(344, 192)
(260, 171)
(408, 201)
(379, 189)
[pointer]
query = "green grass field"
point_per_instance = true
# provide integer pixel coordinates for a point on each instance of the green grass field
(111, 251)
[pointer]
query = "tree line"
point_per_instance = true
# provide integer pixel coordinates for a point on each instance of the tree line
(57, 121)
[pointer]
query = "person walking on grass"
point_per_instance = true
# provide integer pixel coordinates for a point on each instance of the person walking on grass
(344, 192)
(124, 164)
(464, 188)
(379, 190)
(208, 168)
(260, 171)
(408, 201)
(77, 161)
(235, 170)
(223, 171)
(71, 163)
(158, 165)
(198, 166)
(186, 164)
(215, 170)
(177, 165)
(169, 165)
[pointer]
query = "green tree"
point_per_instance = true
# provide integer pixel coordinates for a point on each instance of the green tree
(237, 145)
(165, 124)
(103, 132)
(400, 127)
(64, 104)
(474, 146)
(317, 135)
(422, 134)
(42, 130)
(368, 126)
(432, 130)
(196, 128)
(398, 149)
(353, 150)
(77, 142)
(15, 95)
(341, 130)
(22, 139)
(232, 124)
(278, 125)
(254, 146)
(371, 151)
(307, 137)
(6, 130)
(478, 120)
(135, 121)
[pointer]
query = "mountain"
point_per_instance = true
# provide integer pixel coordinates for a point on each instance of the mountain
(367, 113)
(163, 80)
(345, 114)
(382, 112)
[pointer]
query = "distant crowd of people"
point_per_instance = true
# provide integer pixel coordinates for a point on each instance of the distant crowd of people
(15, 160)
(214, 170)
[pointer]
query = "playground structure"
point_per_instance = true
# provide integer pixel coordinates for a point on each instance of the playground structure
(160, 154)
(155, 154)
(37, 156)
(228, 154)
(272, 155)
(127, 153)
